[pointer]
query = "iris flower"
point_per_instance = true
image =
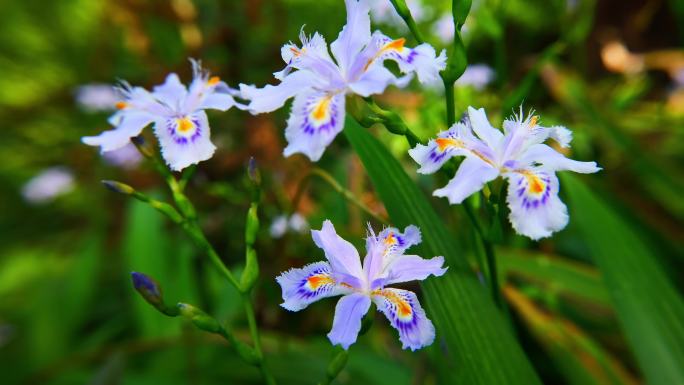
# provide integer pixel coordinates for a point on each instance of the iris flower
(180, 123)
(518, 154)
(319, 84)
(343, 274)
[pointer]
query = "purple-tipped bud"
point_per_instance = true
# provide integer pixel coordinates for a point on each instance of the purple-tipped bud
(253, 171)
(148, 288)
(143, 147)
(118, 187)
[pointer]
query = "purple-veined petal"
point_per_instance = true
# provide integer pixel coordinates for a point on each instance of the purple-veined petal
(479, 123)
(342, 255)
(383, 248)
(349, 312)
(315, 120)
(129, 125)
(426, 63)
(302, 287)
(552, 160)
(448, 144)
(471, 176)
(184, 141)
(402, 309)
(355, 34)
(421, 60)
(406, 268)
(272, 97)
(536, 210)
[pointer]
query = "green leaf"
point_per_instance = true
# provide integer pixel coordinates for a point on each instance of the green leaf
(580, 359)
(481, 347)
(648, 306)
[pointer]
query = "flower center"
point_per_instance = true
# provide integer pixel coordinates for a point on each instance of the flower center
(121, 105)
(444, 143)
(535, 184)
(214, 80)
(403, 307)
(316, 281)
(321, 111)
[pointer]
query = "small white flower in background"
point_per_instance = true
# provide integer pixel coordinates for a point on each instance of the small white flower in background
(180, 123)
(518, 154)
(444, 28)
(97, 97)
(319, 84)
(296, 223)
(476, 75)
(126, 157)
(48, 185)
(383, 12)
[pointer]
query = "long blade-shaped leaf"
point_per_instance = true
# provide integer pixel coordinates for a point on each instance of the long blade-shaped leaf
(481, 346)
(648, 306)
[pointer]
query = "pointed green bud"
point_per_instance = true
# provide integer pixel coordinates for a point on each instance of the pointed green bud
(118, 187)
(251, 225)
(199, 318)
(460, 10)
(251, 273)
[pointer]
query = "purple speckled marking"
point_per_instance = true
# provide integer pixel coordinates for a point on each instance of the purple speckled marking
(405, 327)
(171, 126)
(530, 202)
(411, 56)
(309, 127)
(304, 293)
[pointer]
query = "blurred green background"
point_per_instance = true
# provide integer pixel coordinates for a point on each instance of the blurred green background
(612, 71)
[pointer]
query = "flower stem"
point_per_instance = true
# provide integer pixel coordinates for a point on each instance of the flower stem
(254, 332)
(450, 101)
(490, 255)
(348, 195)
(190, 225)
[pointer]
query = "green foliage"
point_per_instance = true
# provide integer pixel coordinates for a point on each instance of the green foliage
(648, 305)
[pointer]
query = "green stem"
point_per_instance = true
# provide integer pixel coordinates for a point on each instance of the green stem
(348, 195)
(254, 332)
(450, 101)
(490, 255)
(192, 228)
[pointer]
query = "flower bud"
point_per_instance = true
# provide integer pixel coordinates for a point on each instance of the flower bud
(253, 171)
(460, 10)
(251, 273)
(148, 288)
(199, 318)
(151, 292)
(251, 225)
(118, 187)
(142, 146)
